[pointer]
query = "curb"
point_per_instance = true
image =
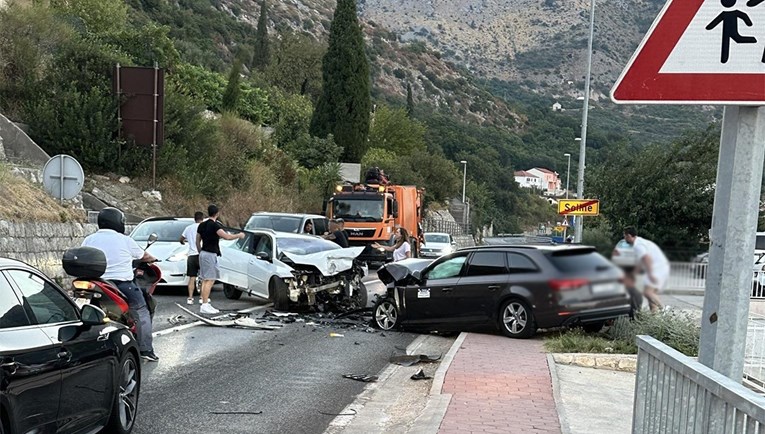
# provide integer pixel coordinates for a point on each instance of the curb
(440, 375)
(562, 418)
(693, 292)
(612, 362)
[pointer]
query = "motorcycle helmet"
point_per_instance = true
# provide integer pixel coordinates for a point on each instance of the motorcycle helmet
(111, 218)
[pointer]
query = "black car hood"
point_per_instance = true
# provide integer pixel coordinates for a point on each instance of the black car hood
(399, 271)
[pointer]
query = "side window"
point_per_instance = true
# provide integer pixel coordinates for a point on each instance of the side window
(487, 264)
(521, 264)
(447, 269)
(265, 246)
(319, 226)
(244, 244)
(46, 303)
(11, 312)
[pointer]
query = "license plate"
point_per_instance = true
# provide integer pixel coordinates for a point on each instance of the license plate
(80, 302)
(599, 288)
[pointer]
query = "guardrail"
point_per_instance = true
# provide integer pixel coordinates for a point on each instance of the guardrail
(754, 358)
(693, 276)
(676, 394)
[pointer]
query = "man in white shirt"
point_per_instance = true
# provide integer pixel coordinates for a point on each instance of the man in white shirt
(120, 251)
(192, 260)
(652, 260)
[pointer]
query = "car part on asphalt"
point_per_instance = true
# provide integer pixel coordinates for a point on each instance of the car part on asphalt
(339, 414)
(362, 378)
(420, 375)
(236, 412)
(242, 322)
(413, 359)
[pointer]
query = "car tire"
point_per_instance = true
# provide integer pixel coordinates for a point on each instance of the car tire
(122, 418)
(361, 295)
(516, 320)
(386, 315)
(277, 291)
(231, 292)
(593, 327)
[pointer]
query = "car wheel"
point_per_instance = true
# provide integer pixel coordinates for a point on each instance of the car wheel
(593, 327)
(277, 291)
(516, 320)
(360, 295)
(386, 314)
(231, 292)
(125, 407)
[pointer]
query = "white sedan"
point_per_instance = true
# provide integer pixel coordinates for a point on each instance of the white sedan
(291, 269)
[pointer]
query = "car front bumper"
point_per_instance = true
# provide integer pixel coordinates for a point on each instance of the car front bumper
(173, 273)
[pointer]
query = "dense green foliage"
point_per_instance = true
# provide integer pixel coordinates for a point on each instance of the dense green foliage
(344, 105)
(262, 55)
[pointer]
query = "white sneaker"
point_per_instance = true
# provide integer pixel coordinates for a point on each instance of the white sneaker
(200, 300)
(207, 309)
(189, 301)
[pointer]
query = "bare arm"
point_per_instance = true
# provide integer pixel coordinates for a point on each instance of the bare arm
(182, 240)
(227, 236)
(147, 257)
(199, 243)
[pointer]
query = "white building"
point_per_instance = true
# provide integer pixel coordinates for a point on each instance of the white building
(527, 179)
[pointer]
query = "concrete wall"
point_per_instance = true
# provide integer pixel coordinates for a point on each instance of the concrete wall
(42, 244)
(17, 146)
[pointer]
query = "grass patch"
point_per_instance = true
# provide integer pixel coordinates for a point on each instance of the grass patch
(25, 201)
(680, 330)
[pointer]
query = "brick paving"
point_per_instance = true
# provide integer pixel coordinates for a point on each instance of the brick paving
(499, 385)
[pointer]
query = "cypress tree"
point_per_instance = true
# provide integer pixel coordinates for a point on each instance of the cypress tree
(409, 100)
(343, 107)
(233, 91)
(262, 56)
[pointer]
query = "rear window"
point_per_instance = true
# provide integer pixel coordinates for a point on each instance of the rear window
(577, 261)
(277, 223)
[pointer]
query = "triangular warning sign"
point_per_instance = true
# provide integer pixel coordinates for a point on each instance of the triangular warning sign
(565, 222)
(699, 52)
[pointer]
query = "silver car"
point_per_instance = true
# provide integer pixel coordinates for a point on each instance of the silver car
(437, 244)
(168, 249)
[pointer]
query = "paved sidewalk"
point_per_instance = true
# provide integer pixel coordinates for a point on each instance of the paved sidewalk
(499, 385)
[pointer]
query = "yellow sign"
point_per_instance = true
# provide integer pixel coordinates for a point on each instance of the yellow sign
(559, 228)
(579, 207)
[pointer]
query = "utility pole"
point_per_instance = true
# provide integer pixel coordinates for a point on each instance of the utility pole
(583, 143)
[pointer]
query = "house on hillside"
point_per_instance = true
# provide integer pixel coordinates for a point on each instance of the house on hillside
(550, 180)
(528, 180)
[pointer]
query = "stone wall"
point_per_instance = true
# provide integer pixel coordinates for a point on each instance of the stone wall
(18, 147)
(42, 244)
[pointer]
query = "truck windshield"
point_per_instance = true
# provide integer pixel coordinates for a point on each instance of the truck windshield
(358, 210)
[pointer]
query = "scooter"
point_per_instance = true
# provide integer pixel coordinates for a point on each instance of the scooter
(87, 265)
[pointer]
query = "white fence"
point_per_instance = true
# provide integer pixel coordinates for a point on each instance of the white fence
(754, 358)
(693, 276)
(676, 394)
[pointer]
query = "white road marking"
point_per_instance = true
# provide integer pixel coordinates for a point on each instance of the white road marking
(196, 323)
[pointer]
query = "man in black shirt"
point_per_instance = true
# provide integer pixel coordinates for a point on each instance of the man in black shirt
(337, 233)
(209, 234)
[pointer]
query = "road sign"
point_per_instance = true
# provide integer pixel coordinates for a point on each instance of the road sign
(699, 52)
(565, 222)
(579, 207)
(559, 229)
(63, 177)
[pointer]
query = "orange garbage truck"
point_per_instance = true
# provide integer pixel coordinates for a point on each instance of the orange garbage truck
(372, 212)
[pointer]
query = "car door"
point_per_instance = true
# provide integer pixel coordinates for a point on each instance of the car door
(320, 226)
(30, 379)
(528, 281)
(486, 277)
(234, 261)
(432, 302)
(259, 271)
(86, 356)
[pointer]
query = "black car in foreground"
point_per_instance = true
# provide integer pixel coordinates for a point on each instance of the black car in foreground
(62, 369)
(517, 288)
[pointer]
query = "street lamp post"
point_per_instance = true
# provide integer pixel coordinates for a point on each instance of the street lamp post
(464, 179)
(568, 171)
(586, 107)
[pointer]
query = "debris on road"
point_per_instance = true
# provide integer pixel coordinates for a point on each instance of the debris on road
(413, 359)
(336, 335)
(420, 375)
(178, 320)
(363, 378)
(240, 322)
(339, 414)
(236, 412)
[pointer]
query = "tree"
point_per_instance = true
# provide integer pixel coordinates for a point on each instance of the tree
(344, 105)
(296, 65)
(409, 100)
(395, 132)
(262, 56)
(233, 90)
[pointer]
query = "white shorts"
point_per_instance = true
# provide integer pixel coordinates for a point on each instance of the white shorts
(661, 280)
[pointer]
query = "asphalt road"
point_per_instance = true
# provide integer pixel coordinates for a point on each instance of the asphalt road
(291, 375)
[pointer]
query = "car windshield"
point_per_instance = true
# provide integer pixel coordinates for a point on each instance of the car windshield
(436, 238)
(166, 230)
(579, 261)
(359, 210)
(304, 246)
(277, 223)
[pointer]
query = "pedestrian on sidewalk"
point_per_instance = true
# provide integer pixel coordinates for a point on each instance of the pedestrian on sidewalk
(209, 233)
(400, 248)
(120, 251)
(192, 260)
(651, 260)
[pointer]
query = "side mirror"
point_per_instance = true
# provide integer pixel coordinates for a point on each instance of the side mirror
(417, 275)
(92, 315)
(454, 244)
(152, 239)
(263, 256)
(394, 209)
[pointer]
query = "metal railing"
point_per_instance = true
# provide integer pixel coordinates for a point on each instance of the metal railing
(447, 226)
(754, 358)
(693, 276)
(676, 394)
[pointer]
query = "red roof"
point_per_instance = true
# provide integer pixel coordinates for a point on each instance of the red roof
(524, 173)
(542, 169)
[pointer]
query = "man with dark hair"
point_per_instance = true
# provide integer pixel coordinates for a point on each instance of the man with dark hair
(652, 260)
(192, 260)
(209, 234)
(337, 233)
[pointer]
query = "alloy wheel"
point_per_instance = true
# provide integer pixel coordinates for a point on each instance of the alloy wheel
(128, 398)
(386, 315)
(515, 317)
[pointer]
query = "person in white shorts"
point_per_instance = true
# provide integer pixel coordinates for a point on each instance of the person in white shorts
(652, 260)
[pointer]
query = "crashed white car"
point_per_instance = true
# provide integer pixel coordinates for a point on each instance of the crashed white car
(292, 270)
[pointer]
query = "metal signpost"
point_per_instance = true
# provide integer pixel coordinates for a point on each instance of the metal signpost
(701, 52)
(63, 177)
